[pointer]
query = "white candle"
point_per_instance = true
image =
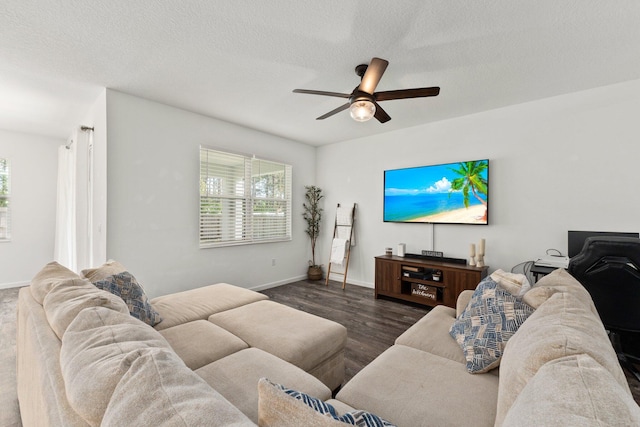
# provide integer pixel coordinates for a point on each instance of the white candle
(481, 247)
(472, 251)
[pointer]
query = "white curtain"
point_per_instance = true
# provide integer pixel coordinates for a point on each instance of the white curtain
(90, 259)
(74, 215)
(83, 199)
(65, 236)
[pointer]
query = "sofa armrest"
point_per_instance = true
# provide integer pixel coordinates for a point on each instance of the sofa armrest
(463, 301)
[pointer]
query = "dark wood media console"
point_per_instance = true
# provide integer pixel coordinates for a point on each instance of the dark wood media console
(423, 281)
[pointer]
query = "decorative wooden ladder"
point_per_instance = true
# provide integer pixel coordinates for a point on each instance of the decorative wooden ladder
(343, 229)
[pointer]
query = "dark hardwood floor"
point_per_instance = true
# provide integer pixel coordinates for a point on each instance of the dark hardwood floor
(372, 324)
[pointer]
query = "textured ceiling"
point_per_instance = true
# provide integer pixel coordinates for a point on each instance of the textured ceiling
(240, 60)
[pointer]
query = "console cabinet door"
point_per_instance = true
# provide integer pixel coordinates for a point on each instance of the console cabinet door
(387, 277)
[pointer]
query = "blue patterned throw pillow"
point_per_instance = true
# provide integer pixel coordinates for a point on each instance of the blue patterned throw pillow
(482, 330)
(356, 418)
(127, 287)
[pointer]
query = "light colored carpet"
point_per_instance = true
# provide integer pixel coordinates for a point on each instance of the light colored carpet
(9, 410)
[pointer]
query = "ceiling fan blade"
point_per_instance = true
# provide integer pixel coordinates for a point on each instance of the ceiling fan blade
(321, 92)
(407, 93)
(332, 112)
(381, 115)
(372, 76)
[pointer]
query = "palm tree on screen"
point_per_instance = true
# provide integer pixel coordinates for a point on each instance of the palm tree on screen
(471, 181)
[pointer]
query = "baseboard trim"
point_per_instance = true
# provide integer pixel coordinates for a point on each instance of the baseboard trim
(13, 285)
(278, 283)
(336, 278)
(262, 287)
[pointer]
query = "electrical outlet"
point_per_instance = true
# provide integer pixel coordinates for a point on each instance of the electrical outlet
(273, 262)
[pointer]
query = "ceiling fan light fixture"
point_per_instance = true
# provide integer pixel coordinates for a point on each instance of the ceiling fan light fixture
(364, 100)
(362, 110)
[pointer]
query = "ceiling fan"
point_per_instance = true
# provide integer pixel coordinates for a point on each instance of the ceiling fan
(363, 101)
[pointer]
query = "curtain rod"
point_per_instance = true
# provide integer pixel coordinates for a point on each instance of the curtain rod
(82, 128)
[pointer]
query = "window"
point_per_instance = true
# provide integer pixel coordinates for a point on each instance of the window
(243, 199)
(5, 192)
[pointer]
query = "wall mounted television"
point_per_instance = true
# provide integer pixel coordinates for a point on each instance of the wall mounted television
(451, 193)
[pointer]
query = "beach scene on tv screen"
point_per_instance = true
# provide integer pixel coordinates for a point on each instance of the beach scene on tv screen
(455, 193)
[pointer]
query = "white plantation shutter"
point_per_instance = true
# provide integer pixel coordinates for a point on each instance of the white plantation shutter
(243, 200)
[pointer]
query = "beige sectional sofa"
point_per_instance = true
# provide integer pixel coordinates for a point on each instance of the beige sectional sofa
(203, 364)
(82, 359)
(558, 369)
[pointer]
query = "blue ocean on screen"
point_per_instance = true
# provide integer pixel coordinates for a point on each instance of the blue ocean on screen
(412, 207)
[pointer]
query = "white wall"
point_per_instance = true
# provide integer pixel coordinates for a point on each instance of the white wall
(153, 199)
(564, 163)
(34, 162)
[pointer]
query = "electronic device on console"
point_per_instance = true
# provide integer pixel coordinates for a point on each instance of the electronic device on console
(555, 261)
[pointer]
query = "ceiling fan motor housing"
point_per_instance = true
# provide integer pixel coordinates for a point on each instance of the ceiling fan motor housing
(361, 69)
(358, 95)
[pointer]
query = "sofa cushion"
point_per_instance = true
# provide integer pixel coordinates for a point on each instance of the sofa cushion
(300, 338)
(538, 295)
(69, 297)
(200, 303)
(98, 348)
(200, 342)
(158, 390)
(236, 378)
(573, 391)
(40, 384)
(127, 287)
(107, 269)
(463, 301)
(403, 378)
(484, 327)
(560, 280)
(50, 275)
(431, 334)
(560, 327)
(279, 406)
(515, 283)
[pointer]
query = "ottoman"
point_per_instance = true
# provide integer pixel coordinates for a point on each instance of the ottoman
(199, 343)
(314, 344)
(236, 378)
(200, 303)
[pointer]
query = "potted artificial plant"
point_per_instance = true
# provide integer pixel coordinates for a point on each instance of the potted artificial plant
(313, 214)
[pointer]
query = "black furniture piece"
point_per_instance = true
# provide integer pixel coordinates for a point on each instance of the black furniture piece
(609, 268)
(539, 270)
(576, 239)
